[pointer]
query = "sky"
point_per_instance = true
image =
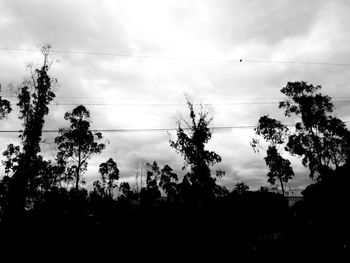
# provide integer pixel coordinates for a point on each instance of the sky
(148, 54)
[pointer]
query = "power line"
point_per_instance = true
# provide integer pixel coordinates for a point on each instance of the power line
(236, 60)
(171, 104)
(174, 104)
(141, 129)
(155, 104)
(167, 99)
(152, 129)
(162, 99)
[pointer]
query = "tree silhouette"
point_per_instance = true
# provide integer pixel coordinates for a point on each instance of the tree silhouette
(48, 173)
(275, 134)
(279, 167)
(98, 189)
(241, 187)
(34, 96)
(77, 143)
(125, 190)
(190, 143)
(168, 182)
(110, 174)
(12, 155)
(152, 175)
(263, 189)
(5, 107)
(319, 138)
(151, 192)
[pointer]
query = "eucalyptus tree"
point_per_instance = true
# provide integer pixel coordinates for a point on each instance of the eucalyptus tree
(78, 143)
(168, 182)
(34, 97)
(151, 192)
(192, 136)
(125, 190)
(319, 138)
(110, 175)
(275, 134)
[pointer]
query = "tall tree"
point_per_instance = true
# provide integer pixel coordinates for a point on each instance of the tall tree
(78, 143)
(110, 175)
(275, 134)
(319, 138)
(34, 96)
(190, 143)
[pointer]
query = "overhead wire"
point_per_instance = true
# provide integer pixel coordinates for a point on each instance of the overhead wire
(168, 99)
(152, 103)
(152, 129)
(168, 104)
(174, 104)
(142, 129)
(236, 60)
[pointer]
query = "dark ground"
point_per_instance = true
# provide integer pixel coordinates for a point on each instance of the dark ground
(249, 227)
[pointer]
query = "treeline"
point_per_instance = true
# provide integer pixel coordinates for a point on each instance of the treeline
(45, 208)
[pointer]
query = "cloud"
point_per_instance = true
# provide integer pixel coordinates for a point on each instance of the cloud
(307, 31)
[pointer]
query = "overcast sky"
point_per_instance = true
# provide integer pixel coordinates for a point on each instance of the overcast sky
(177, 47)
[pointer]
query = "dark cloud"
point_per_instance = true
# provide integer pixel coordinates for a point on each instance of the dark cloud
(309, 31)
(80, 25)
(260, 22)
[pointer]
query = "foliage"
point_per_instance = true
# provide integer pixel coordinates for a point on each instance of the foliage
(168, 182)
(327, 200)
(12, 156)
(190, 143)
(275, 134)
(110, 174)
(34, 96)
(5, 107)
(77, 143)
(221, 192)
(319, 138)
(98, 189)
(241, 187)
(125, 191)
(271, 130)
(49, 177)
(263, 189)
(279, 167)
(151, 192)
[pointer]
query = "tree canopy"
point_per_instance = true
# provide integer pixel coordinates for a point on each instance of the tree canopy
(275, 134)
(320, 139)
(77, 143)
(192, 137)
(5, 107)
(110, 175)
(34, 96)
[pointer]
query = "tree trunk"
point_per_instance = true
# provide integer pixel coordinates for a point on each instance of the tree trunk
(77, 181)
(78, 170)
(317, 148)
(282, 185)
